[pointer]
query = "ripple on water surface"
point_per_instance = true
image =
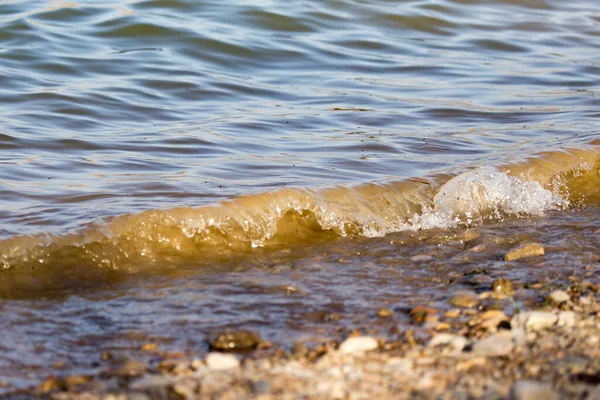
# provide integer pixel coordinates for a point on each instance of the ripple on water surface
(318, 93)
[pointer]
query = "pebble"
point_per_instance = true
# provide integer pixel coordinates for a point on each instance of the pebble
(71, 382)
(499, 344)
(358, 344)
(131, 368)
(150, 383)
(470, 363)
(503, 286)
(534, 320)
(443, 326)
(234, 341)
(149, 347)
(531, 390)
(519, 337)
(559, 296)
(585, 301)
(464, 300)
(421, 258)
(457, 342)
(222, 361)
(385, 313)
(524, 250)
(184, 390)
(566, 319)
(402, 365)
(420, 315)
(489, 320)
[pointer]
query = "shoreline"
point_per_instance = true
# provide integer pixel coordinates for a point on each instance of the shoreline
(473, 350)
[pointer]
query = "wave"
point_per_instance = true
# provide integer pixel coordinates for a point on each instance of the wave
(155, 239)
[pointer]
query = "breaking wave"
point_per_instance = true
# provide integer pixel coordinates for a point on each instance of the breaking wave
(157, 238)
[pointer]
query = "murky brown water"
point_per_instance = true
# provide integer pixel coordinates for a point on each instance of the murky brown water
(170, 167)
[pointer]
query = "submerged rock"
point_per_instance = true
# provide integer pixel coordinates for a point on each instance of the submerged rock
(420, 315)
(464, 300)
(131, 368)
(385, 313)
(503, 286)
(234, 341)
(524, 250)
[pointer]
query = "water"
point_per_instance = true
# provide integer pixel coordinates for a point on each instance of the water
(164, 157)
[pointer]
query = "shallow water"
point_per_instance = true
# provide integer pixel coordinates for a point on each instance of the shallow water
(184, 162)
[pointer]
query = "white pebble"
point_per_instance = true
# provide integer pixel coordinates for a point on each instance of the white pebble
(566, 319)
(531, 390)
(518, 336)
(358, 344)
(534, 320)
(446, 339)
(559, 296)
(499, 344)
(221, 361)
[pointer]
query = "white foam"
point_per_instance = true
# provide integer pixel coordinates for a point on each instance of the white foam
(485, 193)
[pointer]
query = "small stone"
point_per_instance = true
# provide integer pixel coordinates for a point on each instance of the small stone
(454, 313)
(593, 340)
(71, 382)
(299, 349)
(534, 320)
(336, 390)
(594, 393)
(499, 344)
(234, 341)
(420, 314)
(60, 396)
(566, 319)
(519, 337)
(385, 313)
(585, 301)
(524, 250)
(447, 340)
(503, 286)
(421, 258)
(174, 366)
(150, 383)
(358, 344)
(470, 363)
(131, 368)
(220, 361)
(149, 347)
(469, 235)
(531, 390)
(489, 320)
(47, 385)
(184, 390)
(402, 365)
(479, 248)
(464, 300)
(559, 296)
(443, 326)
